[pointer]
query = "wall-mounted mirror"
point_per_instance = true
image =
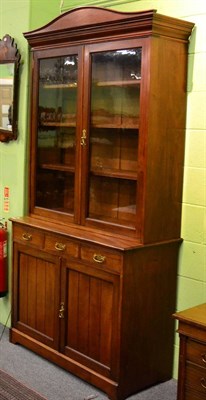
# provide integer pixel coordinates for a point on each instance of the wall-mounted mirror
(9, 65)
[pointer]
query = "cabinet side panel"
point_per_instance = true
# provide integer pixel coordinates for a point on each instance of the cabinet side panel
(165, 143)
(149, 298)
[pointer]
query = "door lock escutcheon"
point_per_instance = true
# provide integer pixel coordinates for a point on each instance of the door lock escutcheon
(61, 311)
(83, 137)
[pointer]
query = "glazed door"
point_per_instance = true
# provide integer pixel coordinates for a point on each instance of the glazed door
(57, 104)
(36, 294)
(113, 134)
(89, 326)
(85, 141)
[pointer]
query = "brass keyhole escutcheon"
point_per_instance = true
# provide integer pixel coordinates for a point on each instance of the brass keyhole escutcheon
(83, 137)
(61, 311)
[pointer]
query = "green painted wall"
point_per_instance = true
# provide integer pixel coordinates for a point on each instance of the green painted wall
(69, 4)
(43, 12)
(13, 154)
(19, 16)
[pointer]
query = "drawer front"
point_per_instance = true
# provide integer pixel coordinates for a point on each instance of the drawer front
(60, 245)
(196, 378)
(196, 352)
(28, 235)
(192, 395)
(102, 258)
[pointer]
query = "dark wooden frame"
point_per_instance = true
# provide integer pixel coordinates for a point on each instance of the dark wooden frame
(10, 54)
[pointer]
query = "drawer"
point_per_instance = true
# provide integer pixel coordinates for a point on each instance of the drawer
(196, 378)
(60, 245)
(101, 258)
(25, 234)
(192, 395)
(196, 352)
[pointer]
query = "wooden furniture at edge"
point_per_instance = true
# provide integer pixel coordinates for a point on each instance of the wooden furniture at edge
(95, 260)
(192, 355)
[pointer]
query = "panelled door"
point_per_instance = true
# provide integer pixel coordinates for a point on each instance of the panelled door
(89, 326)
(36, 294)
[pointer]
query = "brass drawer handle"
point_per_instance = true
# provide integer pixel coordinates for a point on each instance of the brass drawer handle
(26, 236)
(98, 258)
(203, 357)
(203, 382)
(60, 246)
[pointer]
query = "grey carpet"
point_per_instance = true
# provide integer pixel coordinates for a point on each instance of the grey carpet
(54, 383)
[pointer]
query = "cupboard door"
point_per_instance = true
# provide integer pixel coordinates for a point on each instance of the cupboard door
(57, 93)
(89, 329)
(36, 294)
(114, 135)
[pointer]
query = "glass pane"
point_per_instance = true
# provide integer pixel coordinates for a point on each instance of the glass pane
(6, 95)
(55, 190)
(114, 130)
(112, 200)
(57, 133)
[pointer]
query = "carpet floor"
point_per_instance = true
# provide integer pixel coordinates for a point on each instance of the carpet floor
(53, 383)
(11, 389)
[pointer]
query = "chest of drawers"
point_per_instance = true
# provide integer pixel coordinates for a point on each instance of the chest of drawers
(192, 358)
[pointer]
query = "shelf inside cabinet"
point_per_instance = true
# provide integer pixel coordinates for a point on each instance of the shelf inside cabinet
(112, 200)
(115, 126)
(130, 82)
(119, 174)
(57, 124)
(103, 119)
(116, 221)
(114, 152)
(57, 167)
(60, 86)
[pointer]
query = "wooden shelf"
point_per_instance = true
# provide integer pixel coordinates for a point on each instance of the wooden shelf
(93, 125)
(115, 221)
(60, 86)
(119, 174)
(58, 124)
(130, 82)
(115, 126)
(57, 167)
